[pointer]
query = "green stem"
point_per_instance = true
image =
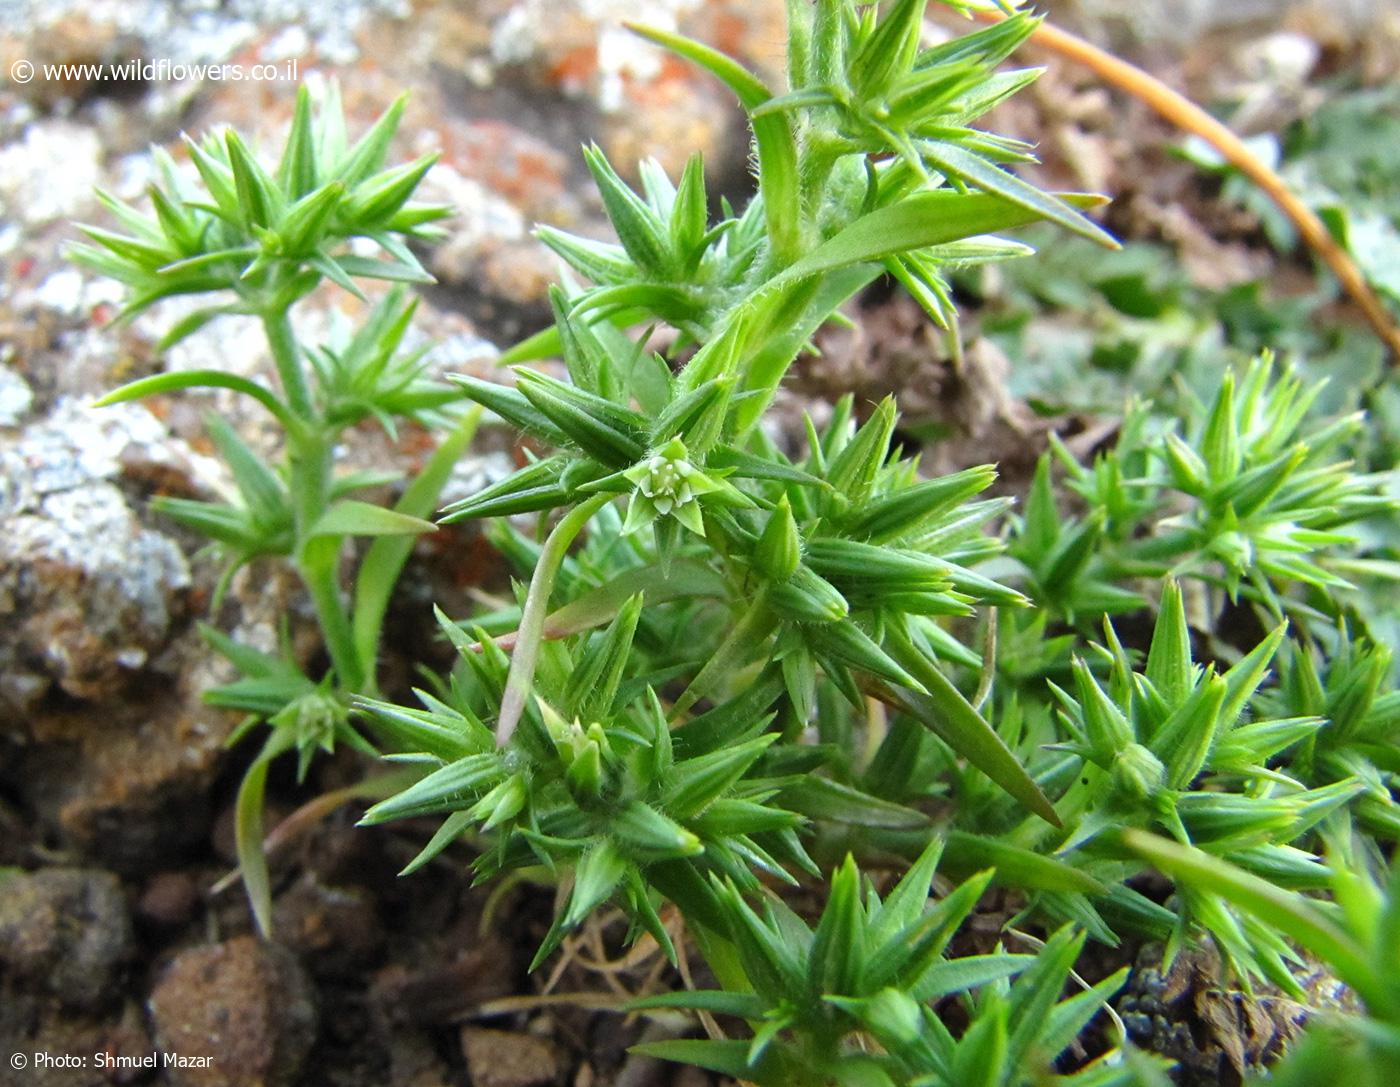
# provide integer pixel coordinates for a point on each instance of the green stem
(527, 646)
(318, 557)
(819, 158)
(310, 454)
(285, 353)
(746, 635)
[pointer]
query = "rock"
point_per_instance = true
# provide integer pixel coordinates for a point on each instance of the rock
(130, 786)
(414, 1060)
(97, 591)
(503, 1058)
(169, 900)
(188, 32)
(29, 1026)
(17, 833)
(653, 104)
(16, 397)
(95, 588)
(1214, 1031)
(334, 928)
(80, 40)
(65, 931)
(433, 995)
(243, 1004)
(121, 764)
(516, 165)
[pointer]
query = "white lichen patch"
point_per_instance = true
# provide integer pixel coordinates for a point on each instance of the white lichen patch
(535, 28)
(92, 590)
(16, 397)
(213, 31)
(50, 173)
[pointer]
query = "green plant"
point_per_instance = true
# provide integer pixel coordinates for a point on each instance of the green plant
(267, 239)
(732, 665)
(754, 600)
(1170, 747)
(1350, 690)
(870, 969)
(1247, 499)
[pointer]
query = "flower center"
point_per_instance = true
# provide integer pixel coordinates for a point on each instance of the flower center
(667, 483)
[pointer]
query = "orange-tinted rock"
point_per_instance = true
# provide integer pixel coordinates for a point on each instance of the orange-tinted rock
(242, 1010)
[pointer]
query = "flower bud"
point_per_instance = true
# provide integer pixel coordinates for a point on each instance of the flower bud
(780, 547)
(1138, 773)
(806, 597)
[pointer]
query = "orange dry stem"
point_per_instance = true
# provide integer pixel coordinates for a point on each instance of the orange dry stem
(1185, 114)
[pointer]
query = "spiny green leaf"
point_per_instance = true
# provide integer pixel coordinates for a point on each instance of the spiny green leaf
(443, 790)
(1169, 663)
(916, 222)
(956, 161)
(945, 712)
(594, 682)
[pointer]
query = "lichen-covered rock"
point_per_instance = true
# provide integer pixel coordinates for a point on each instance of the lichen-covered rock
(243, 1005)
(65, 932)
(187, 32)
(93, 591)
(118, 766)
(16, 397)
(651, 105)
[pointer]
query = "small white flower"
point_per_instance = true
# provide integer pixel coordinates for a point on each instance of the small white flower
(668, 485)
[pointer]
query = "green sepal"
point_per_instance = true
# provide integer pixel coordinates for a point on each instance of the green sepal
(779, 548)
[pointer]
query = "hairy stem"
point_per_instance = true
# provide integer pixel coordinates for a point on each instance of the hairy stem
(310, 456)
(278, 327)
(318, 557)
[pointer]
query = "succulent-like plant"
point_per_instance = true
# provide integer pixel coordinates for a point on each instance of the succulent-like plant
(1251, 498)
